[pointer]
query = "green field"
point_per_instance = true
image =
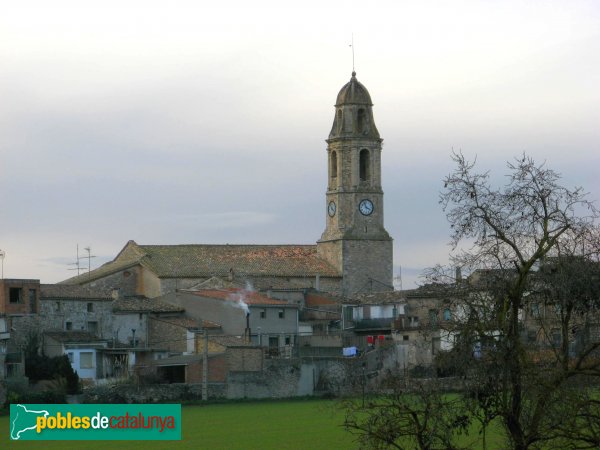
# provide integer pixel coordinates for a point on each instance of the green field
(308, 424)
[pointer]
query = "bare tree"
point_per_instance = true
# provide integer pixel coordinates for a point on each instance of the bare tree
(526, 320)
(531, 244)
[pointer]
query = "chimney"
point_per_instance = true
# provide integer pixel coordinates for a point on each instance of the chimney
(247, 333)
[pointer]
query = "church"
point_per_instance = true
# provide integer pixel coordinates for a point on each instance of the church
(352, 257)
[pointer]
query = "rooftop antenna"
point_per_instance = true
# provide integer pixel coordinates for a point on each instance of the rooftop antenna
(78, 266)
(352, 45)
(88, 249)
(2, 255)
(76, 263)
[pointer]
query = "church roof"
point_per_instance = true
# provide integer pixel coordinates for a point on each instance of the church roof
(354, 93)
(200, 260)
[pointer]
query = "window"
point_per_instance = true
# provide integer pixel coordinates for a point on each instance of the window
(413, 321)
(57, 306)
(263, 313)
(364, 168)
(556, 337)
(68, 326)
(360, 120)
(405, 337)
(92, 327)
(281, 313)
(273, 341)
(15, 295)
(32, 300)
(433, 317)
(90, 307)
(86, 360)
(288, 340)
(447, 314)
(333, 165)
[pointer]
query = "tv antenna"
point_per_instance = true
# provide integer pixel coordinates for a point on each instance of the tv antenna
(78, 267)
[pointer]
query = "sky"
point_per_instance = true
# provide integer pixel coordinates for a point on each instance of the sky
(180, 122)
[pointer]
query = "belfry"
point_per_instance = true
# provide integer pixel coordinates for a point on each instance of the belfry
(355, 241)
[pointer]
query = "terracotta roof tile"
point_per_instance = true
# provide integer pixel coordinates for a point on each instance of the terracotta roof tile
(73, 336)
(234, 294)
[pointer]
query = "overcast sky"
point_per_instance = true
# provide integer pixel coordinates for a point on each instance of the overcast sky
(204, 122)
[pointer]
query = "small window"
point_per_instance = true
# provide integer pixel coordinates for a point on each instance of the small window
(447, 314)
(92, 327)
(334, 165)
(360, 121)
(405, 337)
(433, 317)
(288, 340)
(90, 307)
(364, 169)
(263, 313)
(15, 295)
(32, 300)
(281, 313)
(68, 326)
(86, 360)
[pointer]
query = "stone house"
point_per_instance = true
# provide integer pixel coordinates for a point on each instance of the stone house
(265, 321)
(83, 349)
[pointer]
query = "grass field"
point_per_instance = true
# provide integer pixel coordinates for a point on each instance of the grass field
(307, 424)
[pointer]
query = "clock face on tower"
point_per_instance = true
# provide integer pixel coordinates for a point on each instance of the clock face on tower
(365, 207)
(331, 208)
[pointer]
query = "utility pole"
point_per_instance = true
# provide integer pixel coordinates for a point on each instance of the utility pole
(2, 255)
(205, 367)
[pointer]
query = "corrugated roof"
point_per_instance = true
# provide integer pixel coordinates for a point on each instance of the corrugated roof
(199, 260)
(234, 294)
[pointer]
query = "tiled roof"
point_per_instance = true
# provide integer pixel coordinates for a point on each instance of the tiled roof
(143, 304)
(230, 341)
(182, 321)
(257, 260)
(379, 298)
(314, 299)
(64, 291)
(73, 336)
(197, 260)
(233, 294)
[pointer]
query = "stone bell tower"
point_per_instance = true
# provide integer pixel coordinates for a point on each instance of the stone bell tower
(355, 240)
